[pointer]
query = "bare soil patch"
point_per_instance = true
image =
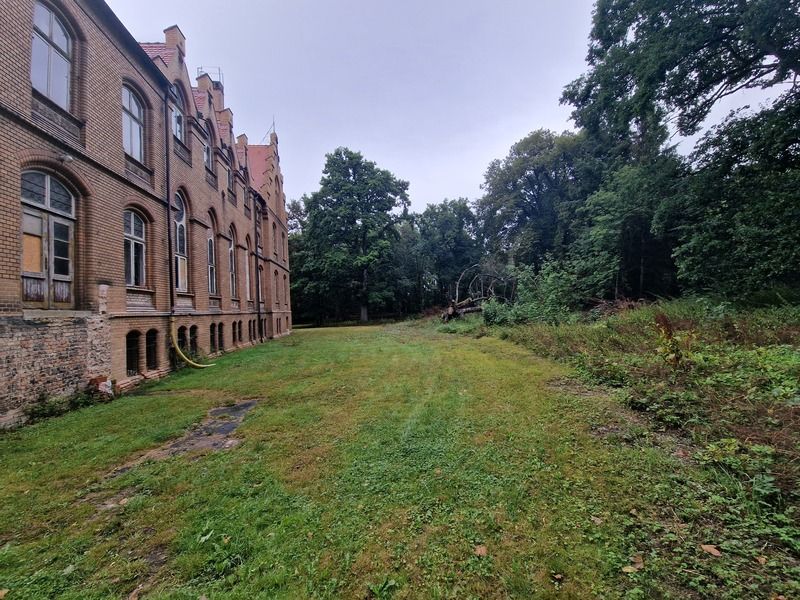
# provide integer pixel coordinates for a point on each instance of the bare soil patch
(213, 434)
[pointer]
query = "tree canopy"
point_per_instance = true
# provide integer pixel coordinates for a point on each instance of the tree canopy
(610, 210)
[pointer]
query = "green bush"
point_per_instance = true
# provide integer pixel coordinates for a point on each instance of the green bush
(546, 296)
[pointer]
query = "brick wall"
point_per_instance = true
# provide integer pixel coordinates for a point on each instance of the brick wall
(82, 148)
(50, 356)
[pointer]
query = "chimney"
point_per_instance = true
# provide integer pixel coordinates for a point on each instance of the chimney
(174, 38)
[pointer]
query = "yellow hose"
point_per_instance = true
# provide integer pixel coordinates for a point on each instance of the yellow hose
(183, 357)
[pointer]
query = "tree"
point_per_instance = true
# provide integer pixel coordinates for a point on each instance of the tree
(350, 222)
(448, 244)
(651, 60)
(740, 212)
(532, 195)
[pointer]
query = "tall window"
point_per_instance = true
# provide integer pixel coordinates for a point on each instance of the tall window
(277, 289)
(274, 239)
(232, 261)
(134, 249)
(132, 125)
(259, 246)
(212, 262)
(181, 244)
(286, 290)
(208, 152)
(247, 292)
(51, 56)
(178, 116)
(48, 230)
(284, 248)
(231, 181)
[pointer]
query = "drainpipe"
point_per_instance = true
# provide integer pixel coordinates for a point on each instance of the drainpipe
(170, 262)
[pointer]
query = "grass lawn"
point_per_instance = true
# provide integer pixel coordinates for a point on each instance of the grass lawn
(379, 462)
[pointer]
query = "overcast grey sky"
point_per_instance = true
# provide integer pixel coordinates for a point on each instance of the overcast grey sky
(432, 90)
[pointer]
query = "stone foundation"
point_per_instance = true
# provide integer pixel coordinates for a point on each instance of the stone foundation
(50, 355)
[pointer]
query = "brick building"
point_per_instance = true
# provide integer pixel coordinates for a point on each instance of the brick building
(129, 212)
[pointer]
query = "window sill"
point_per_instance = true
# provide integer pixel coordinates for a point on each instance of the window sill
(139, 290)
(47, 110)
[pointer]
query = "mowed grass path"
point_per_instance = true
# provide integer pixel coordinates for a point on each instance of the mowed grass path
(378, 463)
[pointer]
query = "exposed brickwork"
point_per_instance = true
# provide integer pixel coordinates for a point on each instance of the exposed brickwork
(83, 149)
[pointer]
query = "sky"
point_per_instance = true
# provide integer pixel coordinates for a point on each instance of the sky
(432, 90)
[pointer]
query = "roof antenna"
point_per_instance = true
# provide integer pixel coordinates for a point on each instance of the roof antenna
(271, 130)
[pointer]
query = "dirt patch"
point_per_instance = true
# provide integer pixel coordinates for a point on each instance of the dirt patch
(576, 388)
(213, 434)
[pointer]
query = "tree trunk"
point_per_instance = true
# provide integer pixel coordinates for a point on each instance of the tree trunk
(364, 313)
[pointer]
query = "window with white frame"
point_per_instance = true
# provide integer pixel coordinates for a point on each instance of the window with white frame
(135, 249)
(51, 56)
(232, 261)
(208, 151)
(181, 244)
(247, 291)
(132, 125)
(212, 262)
(48, 232)
(178, 115)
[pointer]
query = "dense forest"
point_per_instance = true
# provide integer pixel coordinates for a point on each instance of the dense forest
(609, 211)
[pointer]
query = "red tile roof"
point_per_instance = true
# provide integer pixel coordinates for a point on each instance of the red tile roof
(260, 158)
(158, 50)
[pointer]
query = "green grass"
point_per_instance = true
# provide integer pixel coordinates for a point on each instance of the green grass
(376, 462)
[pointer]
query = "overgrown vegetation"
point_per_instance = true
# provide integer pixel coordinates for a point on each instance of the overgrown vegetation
(725, 380)
(388, 462)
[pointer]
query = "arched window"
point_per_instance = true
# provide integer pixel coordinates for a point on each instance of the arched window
(284, 248)
(182, 338)
(51, 56)
(135, 249)
(132, 124)
(208, 148)
(151, 350)
(132, 353)
(211, 244)
(193, 339)
(48, 231)
(221, 337)
(179, 114)
(259, 246)
(212, 331)
(232, 261)
(277, 289)
(181, 244)
(285, 290)
(274, 238)
(248, 293)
